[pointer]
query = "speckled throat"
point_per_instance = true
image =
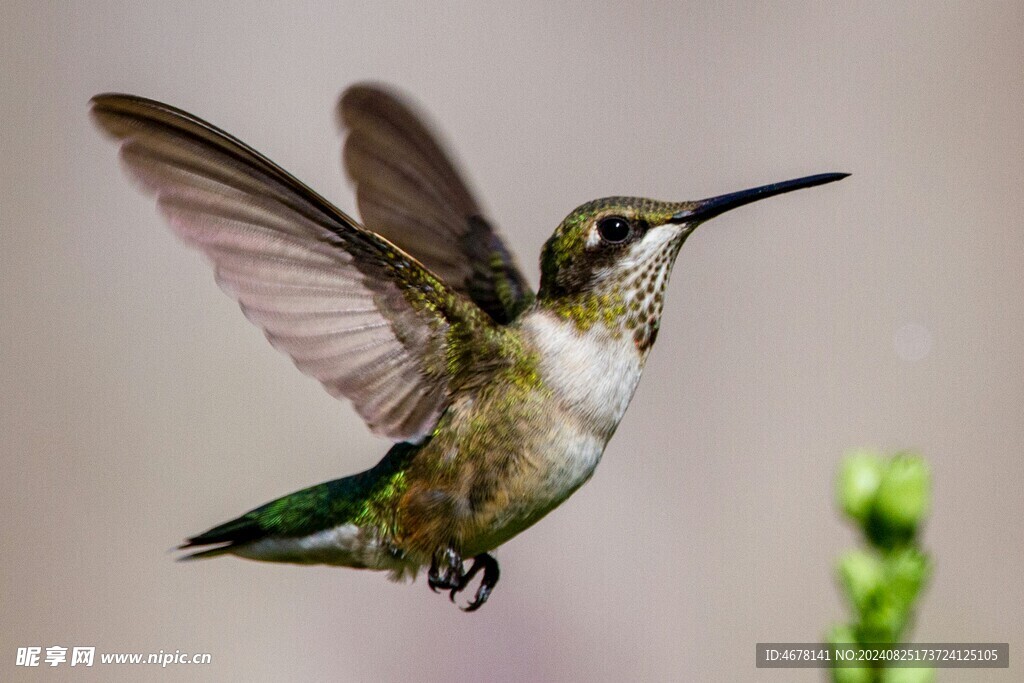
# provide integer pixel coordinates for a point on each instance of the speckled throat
(628, 292)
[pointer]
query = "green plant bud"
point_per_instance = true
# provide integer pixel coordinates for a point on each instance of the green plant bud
(859, 477)
(901, 501)
(906, 572)
(883, 620)
(862, 575)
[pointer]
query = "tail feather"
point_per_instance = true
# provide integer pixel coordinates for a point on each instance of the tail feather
(226, 536)
(307, 512)
(203, 554)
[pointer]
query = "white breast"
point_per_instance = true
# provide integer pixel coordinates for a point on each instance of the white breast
(593, 372)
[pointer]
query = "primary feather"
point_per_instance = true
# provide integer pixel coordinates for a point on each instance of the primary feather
(409, 191)
(352, 309)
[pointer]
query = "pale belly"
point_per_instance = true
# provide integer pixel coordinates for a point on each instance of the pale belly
(592, 376)
(551, 464)
(568, 461)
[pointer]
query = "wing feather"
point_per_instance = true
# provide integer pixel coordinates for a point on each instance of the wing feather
(409, 191)
(352, 309)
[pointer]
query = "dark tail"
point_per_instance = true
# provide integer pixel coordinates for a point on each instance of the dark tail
(307, 511)
(245, 529)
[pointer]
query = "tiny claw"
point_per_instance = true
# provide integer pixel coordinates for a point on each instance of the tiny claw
(455, 577)
(454, 572)
(482, 594)
(491, 573)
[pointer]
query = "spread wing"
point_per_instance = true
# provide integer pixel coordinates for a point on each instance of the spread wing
(409, 191)
(351, 309)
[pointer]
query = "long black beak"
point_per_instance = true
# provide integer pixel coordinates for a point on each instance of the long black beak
(709, 208)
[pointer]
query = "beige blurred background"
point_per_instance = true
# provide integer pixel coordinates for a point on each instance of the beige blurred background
(137, 405)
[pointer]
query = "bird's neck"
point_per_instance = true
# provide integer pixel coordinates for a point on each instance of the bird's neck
(629, 308)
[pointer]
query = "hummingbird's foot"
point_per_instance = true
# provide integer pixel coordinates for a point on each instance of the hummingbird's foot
(452, 576)
(489, 565)
(447, 572)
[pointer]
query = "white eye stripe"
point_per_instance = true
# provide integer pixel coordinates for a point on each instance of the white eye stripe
(650, 245)
(658, 243)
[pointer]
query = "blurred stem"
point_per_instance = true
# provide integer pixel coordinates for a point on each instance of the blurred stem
(887, 499)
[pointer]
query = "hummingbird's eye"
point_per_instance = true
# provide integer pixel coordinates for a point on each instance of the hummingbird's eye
(614, 229)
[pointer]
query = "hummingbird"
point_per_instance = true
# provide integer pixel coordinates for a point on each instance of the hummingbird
(499, 400)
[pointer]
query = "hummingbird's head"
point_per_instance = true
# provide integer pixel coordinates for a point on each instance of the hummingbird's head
(611, 258)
